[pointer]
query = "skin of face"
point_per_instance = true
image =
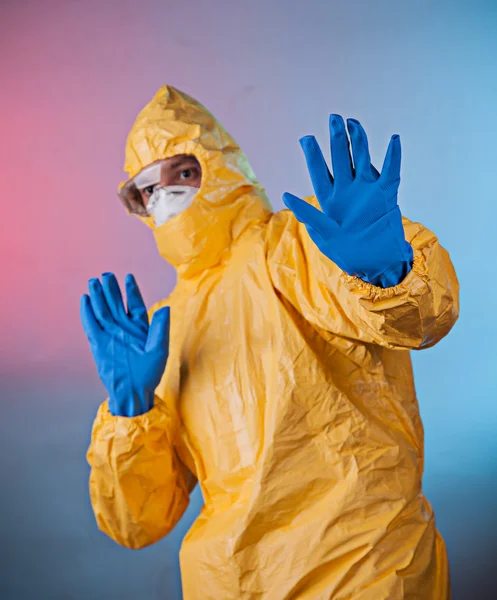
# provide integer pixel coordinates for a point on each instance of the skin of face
(178, 170)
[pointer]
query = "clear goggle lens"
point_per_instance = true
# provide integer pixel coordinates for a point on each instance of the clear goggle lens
(130, 193)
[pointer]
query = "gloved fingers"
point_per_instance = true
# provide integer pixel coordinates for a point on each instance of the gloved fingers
(114, 299)
(390, 173)
(341, 159)
(309, 215)
(137, 310)
(113, 296)
(158, 334)
(360, 150)
(100, 308)
(91, 326)
(321, 178)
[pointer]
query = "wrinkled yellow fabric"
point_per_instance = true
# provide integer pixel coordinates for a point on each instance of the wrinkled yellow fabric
(288, 394)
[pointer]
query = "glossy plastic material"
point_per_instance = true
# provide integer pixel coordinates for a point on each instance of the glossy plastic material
(288, 394)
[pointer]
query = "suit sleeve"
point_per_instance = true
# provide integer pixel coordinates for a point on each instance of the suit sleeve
(139, 488)
(415, 314)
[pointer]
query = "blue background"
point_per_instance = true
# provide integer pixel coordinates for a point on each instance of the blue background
(73, 77)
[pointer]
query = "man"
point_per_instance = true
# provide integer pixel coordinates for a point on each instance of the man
(283, 384)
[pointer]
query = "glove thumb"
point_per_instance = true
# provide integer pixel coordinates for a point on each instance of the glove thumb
(158, 333)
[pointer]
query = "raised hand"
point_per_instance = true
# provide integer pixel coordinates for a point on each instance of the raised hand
(360, 225)
(130, 356)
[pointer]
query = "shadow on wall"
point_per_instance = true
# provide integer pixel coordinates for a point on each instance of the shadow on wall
(52, 548)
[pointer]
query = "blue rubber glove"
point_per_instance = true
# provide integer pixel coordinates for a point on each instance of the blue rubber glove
(130, 356)
(360, 226)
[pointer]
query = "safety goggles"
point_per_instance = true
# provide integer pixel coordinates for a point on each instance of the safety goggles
(130, 192)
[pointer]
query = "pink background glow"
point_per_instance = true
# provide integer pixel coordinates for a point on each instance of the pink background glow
(73, 76)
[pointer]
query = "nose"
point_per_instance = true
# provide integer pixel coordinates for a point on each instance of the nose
(165, 180)
(166, 176)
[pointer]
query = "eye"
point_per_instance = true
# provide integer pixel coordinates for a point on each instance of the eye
(186, 174)
(148, 191)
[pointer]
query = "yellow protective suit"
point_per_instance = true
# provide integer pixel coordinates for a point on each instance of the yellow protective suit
(288, 395)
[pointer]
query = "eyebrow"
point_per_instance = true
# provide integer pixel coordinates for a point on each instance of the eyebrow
(176, 161)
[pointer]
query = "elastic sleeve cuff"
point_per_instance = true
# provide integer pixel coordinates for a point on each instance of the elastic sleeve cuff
(117, 430)
(415, 283)
(391, 276)
(158, 411)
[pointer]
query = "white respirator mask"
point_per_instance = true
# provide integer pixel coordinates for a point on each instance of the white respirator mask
(167, 202)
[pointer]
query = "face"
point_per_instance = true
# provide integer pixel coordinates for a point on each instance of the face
(178, 170)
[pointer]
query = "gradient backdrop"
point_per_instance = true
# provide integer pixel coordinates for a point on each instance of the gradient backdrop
(73, 77)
